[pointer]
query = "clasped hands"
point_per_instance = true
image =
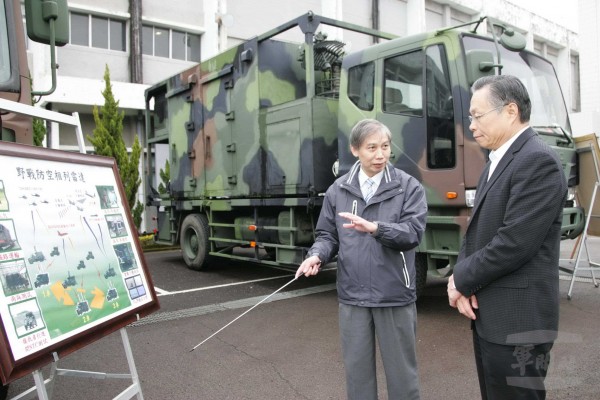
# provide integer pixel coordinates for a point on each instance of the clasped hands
(466, 305)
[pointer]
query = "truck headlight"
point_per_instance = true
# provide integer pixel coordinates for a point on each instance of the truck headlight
(571, 193)
(470, 197)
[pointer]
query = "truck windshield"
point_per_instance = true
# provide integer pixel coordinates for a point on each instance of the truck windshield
(538, 75)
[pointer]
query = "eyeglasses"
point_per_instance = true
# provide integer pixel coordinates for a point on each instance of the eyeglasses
(476, 117)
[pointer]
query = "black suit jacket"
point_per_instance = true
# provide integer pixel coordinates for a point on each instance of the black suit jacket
(509, 256)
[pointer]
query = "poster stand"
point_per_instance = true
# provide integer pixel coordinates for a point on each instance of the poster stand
(590, 165)
(43, 388)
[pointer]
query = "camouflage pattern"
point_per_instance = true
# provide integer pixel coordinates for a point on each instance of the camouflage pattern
(253, 134)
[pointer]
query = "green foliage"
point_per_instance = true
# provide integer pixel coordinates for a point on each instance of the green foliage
(39, 127)
(136, 214)
(107, 139)
(39, 131)
(164, 177)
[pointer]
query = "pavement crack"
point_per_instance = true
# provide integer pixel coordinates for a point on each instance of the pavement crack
(272, 365)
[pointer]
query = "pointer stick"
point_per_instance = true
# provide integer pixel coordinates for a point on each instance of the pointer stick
(244, 313)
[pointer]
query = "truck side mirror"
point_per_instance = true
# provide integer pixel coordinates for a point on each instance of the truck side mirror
(39, 15)
(512, 40)
(479, 63)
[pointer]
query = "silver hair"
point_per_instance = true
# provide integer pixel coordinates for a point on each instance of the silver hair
(365, 128)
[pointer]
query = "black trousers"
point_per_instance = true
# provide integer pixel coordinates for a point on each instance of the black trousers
(508, 372)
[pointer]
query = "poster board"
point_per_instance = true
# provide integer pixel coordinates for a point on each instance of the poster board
(71, 266)
(587, 179)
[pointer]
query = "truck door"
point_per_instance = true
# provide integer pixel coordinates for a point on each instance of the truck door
(417, 103)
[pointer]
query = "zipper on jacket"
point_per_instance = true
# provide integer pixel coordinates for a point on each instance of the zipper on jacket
(405, 271)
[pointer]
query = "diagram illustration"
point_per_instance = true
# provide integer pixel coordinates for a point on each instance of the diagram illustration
(14, 277)
(3, 201)
(68, 259)
(108, 197)
(125, 256)
(8, 240)
(26, 317)
(70, 267)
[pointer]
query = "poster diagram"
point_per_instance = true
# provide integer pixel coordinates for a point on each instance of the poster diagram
(3, 201)
(26, 317)
(8, 238)
(68, 260)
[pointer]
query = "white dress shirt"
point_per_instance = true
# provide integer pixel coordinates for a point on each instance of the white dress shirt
(496, 155)
(362, 178)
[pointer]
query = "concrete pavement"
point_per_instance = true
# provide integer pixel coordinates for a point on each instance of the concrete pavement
(289, 349)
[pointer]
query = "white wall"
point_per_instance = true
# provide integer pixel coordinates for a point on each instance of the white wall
(588, 120)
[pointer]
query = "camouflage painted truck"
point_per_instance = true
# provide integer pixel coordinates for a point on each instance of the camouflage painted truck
(254, 136)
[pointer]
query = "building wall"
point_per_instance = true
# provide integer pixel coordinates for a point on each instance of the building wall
(588, 120)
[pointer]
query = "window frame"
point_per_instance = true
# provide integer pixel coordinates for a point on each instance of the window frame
(189, 38)
(109, 21)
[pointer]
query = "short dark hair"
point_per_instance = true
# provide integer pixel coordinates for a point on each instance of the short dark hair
(364, 128)
(505, 89)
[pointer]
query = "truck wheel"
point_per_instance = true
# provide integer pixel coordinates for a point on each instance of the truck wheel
(194, 241)
(421, 269)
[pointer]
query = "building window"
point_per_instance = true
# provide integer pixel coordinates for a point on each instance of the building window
(552, 55)
(100, 32)
(80, 32)
(575, 86)
(434, 15)
(438, 16)
(459, 17)
(170, 43)
(543, 49)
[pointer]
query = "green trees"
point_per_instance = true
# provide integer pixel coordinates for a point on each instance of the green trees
(165, 175)
(39, 127)
(107, 139)
(39, 132)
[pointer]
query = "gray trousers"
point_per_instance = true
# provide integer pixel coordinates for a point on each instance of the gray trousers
(395, 328)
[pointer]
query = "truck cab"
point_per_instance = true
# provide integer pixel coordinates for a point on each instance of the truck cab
(419, 87)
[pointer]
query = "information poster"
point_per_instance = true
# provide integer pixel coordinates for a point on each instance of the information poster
(69, 258)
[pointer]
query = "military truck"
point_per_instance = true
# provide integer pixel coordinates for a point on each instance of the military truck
(255, 135)
(16, 281)
(6, 241)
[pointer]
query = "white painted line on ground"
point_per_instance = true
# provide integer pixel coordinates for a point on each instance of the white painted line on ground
(166, 293)
(160, 291)
(230, 305)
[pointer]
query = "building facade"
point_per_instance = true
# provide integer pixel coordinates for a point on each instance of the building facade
(143, 42)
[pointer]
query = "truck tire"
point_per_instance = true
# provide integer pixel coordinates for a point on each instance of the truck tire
(3, 391)
(421, 270)
(194, 241)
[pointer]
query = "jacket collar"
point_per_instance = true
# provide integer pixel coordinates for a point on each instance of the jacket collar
(504, 162)
(387, 173)
(388, 182)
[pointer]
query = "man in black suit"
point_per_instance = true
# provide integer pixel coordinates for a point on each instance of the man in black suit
(506, 276)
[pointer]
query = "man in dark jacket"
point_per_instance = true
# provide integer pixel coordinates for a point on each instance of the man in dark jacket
(373, 218)
(506, 276)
